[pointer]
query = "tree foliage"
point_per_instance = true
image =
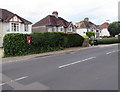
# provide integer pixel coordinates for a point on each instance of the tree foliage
(114, 28)
(90, 34)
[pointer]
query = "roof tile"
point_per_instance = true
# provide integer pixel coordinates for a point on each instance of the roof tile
(6, 15)
(52, 20)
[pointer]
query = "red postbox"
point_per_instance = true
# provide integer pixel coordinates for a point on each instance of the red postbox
(28, 38)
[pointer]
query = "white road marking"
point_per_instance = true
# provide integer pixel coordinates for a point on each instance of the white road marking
(2, 84)
(112, 52)
(62, 66)
(21, 78)
(14, 80)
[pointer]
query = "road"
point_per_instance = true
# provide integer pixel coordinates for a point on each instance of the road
(89, 69)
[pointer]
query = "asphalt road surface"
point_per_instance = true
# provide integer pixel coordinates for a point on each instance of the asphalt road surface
(90, 69)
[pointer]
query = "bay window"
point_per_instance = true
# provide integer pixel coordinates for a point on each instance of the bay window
(15, 27)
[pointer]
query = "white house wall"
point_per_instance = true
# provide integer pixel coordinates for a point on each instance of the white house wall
(81, 31)
(104, 32)
(4, 27)
(1, 34)
(15, 18)
(29, 29)
(61, 29)
(21, 29)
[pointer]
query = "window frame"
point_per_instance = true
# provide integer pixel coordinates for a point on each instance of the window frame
(15, 27)
(70, 29)
(26, 27)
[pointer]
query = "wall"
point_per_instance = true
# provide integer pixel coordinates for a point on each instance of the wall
(81, 31)
(46, 29)
(5, 26)
(51, 29)
(104, 32)
(39, 29)
(15, 19)
(1, 32)
(21, 28)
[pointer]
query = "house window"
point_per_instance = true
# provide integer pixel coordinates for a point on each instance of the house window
(55, 29)
(49, 29)
(61, 29)
(15, 27)
(91, 30)
(70, 29)
(26, 28)
(97, 31)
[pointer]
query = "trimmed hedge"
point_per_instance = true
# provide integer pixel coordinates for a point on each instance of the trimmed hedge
(16, 44)
(108, 40)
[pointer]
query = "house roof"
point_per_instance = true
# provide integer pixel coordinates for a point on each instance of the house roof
(104, 25)
(6, 15)
(86, 24)
(52, 20)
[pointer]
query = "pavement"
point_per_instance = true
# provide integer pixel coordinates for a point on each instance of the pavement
(1, 52)
(94, 68)
(27, 57)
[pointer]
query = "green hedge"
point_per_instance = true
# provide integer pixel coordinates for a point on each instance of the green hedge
(108, 40)
(16, 44)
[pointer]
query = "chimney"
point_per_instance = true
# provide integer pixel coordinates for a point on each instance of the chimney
(86, 19)
(55, 13)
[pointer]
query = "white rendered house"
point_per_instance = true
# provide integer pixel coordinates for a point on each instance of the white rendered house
(85, 26)
(104, 29)
(12, 23)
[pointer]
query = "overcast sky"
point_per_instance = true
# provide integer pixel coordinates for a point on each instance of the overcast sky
(98, 11)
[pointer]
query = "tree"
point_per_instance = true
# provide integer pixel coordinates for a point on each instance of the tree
(90, 34)
(114, 28)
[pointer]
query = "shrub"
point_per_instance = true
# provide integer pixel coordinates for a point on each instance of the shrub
(108, 40)
(72, 40)
(90, 34)
(16, 44)
(114, 28)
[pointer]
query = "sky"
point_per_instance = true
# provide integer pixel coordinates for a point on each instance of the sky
(98, 11)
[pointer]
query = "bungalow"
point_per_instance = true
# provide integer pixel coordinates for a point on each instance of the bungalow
(53, 23)
(104, 29)
(12, 23)
(86, 26)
